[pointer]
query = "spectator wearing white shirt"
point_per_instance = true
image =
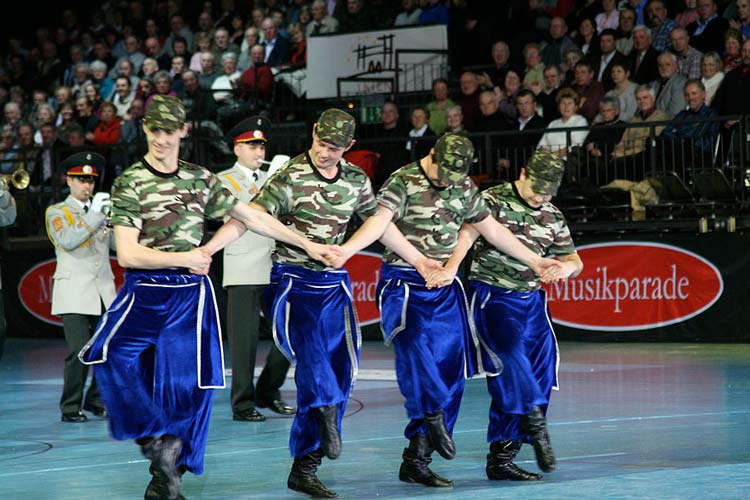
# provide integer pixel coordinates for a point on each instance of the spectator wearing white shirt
(557, 141)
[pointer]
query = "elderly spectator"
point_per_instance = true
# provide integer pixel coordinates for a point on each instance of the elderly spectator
(256, 81)
(711, 74)
(643, 58)
(133, 54)
(669, 88)
(688, 58)
(588, 162)
(150, 67)
(85, 117)
(732, 50)
(80, 78)
(707, 32)
(153, 50)
(533, 78)
(495, 76)
(437, 107)
(553, 81)
(568, 101)
(322, 22)
(99, 78)
(252, 38)
(125, 68)
(624, 44)
(690, 141)
(528, 120)
(208, 72)
(609, 56)
(491, 119)
(588, 89)
(454, 117)
(556, 42)
(107, 132)
(629, 158)
(222, 44)
(469, 98)
(12, 116)
(276, 47)
(661, 25)
(391, 146)
(222, 86)
(510, 90)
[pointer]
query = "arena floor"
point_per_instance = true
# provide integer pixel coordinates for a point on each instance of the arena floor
(631, 421)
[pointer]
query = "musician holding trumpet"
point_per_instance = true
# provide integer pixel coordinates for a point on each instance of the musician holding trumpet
(7, 217)
(83, 278)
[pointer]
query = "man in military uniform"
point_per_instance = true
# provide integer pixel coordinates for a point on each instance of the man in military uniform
(511, 315)
(83, 278)
(247, 269)
(7, 217)
(433, 341)
(314, 320)
(158, 349)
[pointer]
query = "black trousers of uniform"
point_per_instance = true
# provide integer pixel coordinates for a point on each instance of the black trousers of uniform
(243, 327)
(77, 329)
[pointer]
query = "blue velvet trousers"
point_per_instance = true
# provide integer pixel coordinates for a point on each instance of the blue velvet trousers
(433, 341)
(518, 328)
(315, 326)
(157, 353)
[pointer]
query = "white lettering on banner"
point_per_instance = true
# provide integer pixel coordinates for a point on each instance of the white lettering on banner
(45, 289)
(603, 288)
(364, 291)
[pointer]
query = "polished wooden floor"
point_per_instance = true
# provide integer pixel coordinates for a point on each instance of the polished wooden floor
(645, 421)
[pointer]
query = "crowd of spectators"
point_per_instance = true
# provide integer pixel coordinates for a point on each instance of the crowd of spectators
(516, 65)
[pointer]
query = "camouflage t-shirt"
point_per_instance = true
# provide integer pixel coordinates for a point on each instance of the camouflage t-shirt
(316, 207)
(168, 209)
(427, 215)
(542, 229)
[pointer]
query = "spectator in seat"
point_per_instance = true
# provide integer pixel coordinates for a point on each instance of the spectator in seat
(609, 56)
(276, 47)
(643, 58)
(222, 87)
(421, 137)
(321, 23)
(553, 80)
(711, 74)
(688, 58)
(623, 91)
(523, 145)
(455, 119)
(690, 143)
(256, 81)
(437, 107)
(590, 91)
(588, 162)
(741, 22)
(661, 25)
(707, 32)
(670, 86)
(556, 42)
(469, 98)
(630, 154)
(568, 101)
(732, 50)
(624, 44)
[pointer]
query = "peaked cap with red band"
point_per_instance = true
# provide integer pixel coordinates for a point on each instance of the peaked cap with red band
(251, 129)
(84, 163)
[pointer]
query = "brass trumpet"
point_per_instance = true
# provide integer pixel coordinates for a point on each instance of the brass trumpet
(19, 179)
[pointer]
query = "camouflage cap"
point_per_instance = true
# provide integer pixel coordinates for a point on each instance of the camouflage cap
(336, 127)
(165, 112)
(454, 155)
(545, 171)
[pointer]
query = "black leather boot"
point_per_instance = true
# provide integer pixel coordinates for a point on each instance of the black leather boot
(157, 488)
(415, 466)
(535, 425)
(441, 440)
(500, 464)
(330, 441)
(302, 477)
(163, 453)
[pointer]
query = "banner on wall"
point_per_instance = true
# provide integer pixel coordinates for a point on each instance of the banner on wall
(635, 285)
(373, 53)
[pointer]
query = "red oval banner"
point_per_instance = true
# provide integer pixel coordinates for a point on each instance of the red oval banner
(634, 285)
(364, 271)
(35, 289)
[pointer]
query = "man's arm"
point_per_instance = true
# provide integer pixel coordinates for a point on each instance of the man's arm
(501, 238)
(571, 266)
(257, 220)
(442, 277)
(131, 254)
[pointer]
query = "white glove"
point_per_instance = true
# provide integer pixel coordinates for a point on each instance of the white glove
(277, 162)
(100, 201)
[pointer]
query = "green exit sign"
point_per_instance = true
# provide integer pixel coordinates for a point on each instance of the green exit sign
(370, 114)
